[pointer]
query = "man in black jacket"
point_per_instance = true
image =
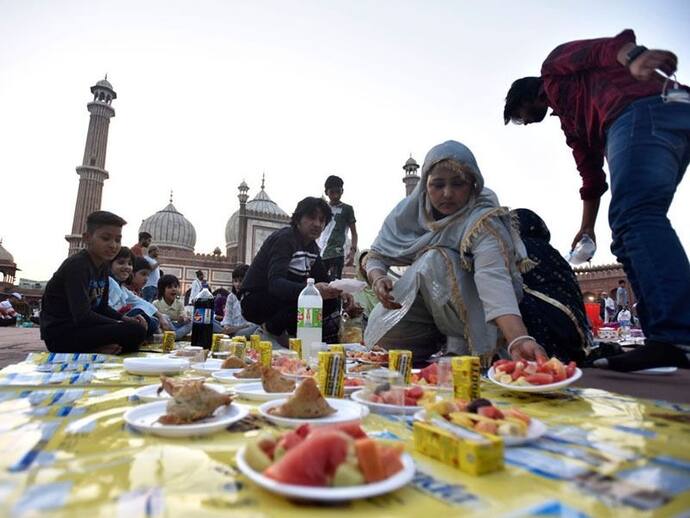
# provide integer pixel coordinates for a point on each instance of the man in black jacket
(280, 271)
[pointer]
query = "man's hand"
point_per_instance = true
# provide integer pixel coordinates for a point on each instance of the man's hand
(383, 287)
(582, 232)
(326, 291)
(644, 67)
(350, 259)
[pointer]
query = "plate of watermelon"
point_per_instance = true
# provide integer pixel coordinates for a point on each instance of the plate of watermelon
(540, 376)
(328, 464)
(384, 402)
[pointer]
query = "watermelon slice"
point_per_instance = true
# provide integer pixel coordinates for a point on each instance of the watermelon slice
(312, 462)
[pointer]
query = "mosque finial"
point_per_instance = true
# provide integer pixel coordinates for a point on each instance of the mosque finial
(106, 76)
(263, 181)
(171, 195)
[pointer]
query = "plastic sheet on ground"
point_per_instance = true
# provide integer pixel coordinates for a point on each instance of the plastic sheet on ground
(67, 452)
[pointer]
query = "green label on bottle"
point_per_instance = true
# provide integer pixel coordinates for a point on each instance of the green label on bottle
(308, 317)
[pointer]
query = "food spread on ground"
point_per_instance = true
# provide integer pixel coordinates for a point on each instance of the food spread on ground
(541, 372)
(233, 362)
(480, 415)
(273, 381)
(190, 400)
(306, 403)
(332, 456)
(252, 371)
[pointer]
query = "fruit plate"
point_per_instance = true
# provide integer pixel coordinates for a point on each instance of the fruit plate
(535, 430)
(551, 387)
(346, 411)
(255, 392)
(155, 366)
(383, 408)
(329, 494)
(150, 392)
(144, 418)
(228, 376)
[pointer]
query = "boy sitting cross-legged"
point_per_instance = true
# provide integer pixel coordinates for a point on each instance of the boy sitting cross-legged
(75, 315)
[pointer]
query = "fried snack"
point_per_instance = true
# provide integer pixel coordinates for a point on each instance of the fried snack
(191, 400)
(306, 403)
(252, 371)
(273, 381)
(363, 367)
(233, 362)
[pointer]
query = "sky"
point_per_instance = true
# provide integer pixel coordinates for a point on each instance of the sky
(211, 93)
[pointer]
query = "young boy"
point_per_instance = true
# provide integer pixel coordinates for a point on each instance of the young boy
(332, 239)
(76, 316)
(150, 289)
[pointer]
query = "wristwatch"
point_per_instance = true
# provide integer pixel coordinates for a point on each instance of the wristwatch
(634, 53)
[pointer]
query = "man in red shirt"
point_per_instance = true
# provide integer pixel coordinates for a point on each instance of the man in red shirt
(142, 245)
(612, 102)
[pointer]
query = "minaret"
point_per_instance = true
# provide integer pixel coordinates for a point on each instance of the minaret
(411, 178)
(92, 172)
(242, 222)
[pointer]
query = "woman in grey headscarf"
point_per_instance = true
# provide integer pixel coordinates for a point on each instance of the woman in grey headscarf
(464, 259)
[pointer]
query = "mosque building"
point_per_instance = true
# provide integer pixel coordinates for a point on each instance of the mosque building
(175, 235)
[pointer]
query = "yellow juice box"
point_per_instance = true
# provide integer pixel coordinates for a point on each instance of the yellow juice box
(401, 360)
(254, 342)
(215, 341)
(296, 345)
(238, 349)
(168, 341)
(331, 374)
(466, 377)
(474, 457)
(265, 353)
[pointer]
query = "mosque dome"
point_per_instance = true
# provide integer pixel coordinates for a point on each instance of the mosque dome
(262, 205)
(169, 228)
(5, 256)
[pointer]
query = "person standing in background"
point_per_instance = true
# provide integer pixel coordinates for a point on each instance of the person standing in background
(332, 240)
(150, 290)
(142, 245)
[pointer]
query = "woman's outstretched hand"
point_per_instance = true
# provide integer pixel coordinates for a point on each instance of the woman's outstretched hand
(528, 350)
(383, 287)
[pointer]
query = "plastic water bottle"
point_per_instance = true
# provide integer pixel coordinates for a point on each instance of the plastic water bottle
(624, 321)
(202, 320)
(309, 323)
(583, 251)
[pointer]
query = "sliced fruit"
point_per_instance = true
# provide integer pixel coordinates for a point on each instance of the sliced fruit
(312, 462)
(486, 427)
(256, 457)
(348, 475)
(369, 460)
(390, 458)
(491, 412)
(539, 379)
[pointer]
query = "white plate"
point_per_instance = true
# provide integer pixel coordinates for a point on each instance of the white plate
(155, 366)
(208, 366)
(329, 494)
(346, 411)
(228, 376)
(144, 418)
(149, 392)
(255, 392)
(551, 387)
(382, 408)
(535, 430)
(658, 371)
